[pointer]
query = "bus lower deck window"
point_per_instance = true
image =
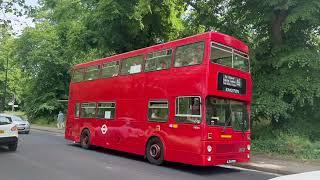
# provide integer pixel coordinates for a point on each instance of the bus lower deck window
(88, 110)
(106, 110)
(188, 110)
(158, 111)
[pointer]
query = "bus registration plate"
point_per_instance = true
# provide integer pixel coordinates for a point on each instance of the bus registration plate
(231, 161)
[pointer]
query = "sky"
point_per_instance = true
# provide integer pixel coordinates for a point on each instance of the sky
(32, 2)
(19, 23)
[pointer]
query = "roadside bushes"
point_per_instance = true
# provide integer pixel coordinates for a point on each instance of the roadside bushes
(291, 142)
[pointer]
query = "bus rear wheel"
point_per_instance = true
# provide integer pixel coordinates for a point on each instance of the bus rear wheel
(154, 152)
(85, 139)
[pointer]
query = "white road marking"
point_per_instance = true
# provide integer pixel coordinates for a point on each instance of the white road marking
(253, 170)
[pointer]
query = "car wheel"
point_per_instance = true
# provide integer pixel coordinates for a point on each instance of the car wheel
(85, 139)
(13, 147)
(27, 132)
(155, 151)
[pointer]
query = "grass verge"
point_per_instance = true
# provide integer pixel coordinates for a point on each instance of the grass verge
(293, 142)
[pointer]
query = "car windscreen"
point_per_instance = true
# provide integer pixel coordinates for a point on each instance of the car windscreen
(17, 119)
(4, 120)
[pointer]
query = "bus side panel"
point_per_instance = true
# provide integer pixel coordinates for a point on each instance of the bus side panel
(184, 139)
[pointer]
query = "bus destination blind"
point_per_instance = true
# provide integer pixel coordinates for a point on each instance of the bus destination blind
(231, 84)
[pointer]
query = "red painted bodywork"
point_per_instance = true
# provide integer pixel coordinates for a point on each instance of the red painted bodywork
(130, 130)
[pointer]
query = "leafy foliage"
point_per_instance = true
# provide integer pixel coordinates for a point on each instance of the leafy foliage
(283, 35)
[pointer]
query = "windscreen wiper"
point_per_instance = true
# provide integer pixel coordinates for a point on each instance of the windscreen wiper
(229, 118)
(243, 122)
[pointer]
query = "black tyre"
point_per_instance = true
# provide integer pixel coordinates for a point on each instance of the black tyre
(154, 151)
(85, 139)
(27, 132)
(13, 147)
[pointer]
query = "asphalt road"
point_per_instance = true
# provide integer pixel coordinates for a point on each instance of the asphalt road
(47, 156)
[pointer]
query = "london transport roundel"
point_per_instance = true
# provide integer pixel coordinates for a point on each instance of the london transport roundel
(104, 129)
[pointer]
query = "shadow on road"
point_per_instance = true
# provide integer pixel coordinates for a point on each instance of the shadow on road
(4, 149)
(198, 170)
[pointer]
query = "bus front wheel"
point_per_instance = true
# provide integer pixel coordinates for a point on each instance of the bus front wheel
(85, 139)
(154, 151)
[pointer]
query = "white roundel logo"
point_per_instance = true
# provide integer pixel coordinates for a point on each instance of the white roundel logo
(104, 129)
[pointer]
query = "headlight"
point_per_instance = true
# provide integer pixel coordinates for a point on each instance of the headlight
(248, 147)
(209, 158)
(209, 148)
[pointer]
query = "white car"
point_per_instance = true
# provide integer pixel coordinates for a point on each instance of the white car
(22, 125)
(8, 133)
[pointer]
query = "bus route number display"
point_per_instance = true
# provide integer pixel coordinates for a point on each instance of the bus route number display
(231, 84)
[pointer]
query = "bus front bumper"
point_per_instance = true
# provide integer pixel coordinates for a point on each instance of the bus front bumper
(227, 158)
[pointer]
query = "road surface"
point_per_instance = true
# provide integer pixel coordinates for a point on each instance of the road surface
(48, 156)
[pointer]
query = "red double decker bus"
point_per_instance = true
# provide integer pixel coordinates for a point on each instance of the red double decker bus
(184, 101)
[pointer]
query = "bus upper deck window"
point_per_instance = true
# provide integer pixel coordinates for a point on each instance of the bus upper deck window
(78, 75)
(240, 61)
(92, 72)
(190, 54)
(110, 69)
(227, 56)
(131, 65)
(158, 60)
(221, 55)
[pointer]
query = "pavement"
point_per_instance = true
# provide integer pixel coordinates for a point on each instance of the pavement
(260, 162)
(43, 155)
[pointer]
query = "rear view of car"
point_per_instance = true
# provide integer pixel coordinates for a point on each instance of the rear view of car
(22, 125)
(8, 133)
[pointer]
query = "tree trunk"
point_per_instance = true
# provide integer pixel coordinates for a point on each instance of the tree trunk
(279, 17)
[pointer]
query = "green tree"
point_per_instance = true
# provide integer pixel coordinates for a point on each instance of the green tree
(284, 53)
(38, 54)
(120, 26)
(10, 74)
(68, 32)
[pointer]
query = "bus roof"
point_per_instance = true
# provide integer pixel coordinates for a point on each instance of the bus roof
(215, 36)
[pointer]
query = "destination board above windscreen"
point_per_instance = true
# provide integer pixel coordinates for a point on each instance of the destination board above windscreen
(231, 84)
